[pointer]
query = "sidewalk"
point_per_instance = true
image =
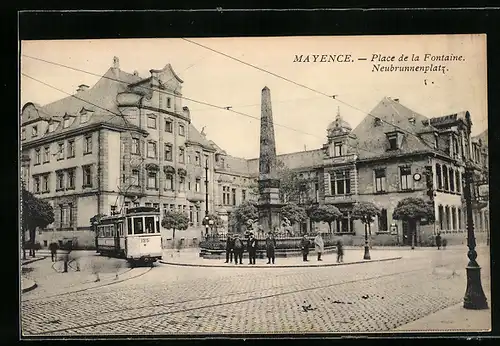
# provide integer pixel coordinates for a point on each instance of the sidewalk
(191, 258)
(51, 282)
(452, 319)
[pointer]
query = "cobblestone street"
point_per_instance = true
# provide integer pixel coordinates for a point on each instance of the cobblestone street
(370, 297)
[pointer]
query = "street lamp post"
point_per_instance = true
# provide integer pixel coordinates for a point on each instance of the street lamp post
(206, 198)
(474, 295)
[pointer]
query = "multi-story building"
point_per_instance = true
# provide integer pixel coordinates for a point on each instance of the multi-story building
(386, 158)
(128, 141)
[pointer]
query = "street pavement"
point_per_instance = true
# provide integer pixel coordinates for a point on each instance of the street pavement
(370, 297)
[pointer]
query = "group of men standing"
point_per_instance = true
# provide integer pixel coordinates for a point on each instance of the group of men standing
(235, 246)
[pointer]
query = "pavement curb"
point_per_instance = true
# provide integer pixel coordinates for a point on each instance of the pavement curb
(276, 266)
(32, 260)
(31, 285)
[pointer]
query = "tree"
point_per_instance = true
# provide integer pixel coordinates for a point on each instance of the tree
(175, 220)
(36, 213)
(292, 187)
(413, 210)
(293, 213)
(243, 214)
(365, 212)
(325, 213)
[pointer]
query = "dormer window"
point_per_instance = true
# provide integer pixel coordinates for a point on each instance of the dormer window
(337, 149)
(52, 126)
(377, 122)
(169, 102)
(436, 141)
(84, 117)
(66, 122)
(34, 131)
(412, 120)
(23, 134)
(394, 140)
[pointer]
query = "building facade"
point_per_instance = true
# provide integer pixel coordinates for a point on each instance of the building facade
(129, 141)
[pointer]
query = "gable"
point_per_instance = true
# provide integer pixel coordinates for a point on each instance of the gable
(372, 134)
(30, 113)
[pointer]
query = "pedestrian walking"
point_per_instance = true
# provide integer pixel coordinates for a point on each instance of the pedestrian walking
(252, 248)
(319, 245)
(229, 248)
(53, 251)
(270, 247)
(238, 249)
(444, 242)
(305, 243)
(438, 240)
(340, 251)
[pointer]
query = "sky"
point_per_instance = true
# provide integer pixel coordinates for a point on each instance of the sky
(301, 115)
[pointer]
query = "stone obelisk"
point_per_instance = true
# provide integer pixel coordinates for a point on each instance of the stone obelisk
(269, 198)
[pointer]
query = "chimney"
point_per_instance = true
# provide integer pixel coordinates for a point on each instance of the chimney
(185, 111)
(116, 63)
(82, 87)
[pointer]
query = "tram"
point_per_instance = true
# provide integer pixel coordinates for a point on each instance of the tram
(134, 235)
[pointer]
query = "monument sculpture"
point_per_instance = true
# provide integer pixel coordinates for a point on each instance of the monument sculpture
(269, 201)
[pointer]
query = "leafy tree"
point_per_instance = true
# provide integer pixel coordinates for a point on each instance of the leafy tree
(294, 213)
(365, 212)
(175, 220)
(325, 213)
(413, 210)
(244, 214)
(292, 187)
(36, 213)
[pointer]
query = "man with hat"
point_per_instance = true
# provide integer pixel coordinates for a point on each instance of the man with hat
(252, 248)
(229, 248)
(238, 249)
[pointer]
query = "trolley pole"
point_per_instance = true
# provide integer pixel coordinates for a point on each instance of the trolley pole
(206, 198)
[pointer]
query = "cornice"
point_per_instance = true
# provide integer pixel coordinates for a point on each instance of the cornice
(78, 131)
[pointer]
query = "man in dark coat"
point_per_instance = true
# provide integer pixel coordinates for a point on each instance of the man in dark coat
(238, 249)
(305, 243)
(270, 247)
(438, 240)
(340, 251)
(229, 248)
(252, 248)
(53, 250)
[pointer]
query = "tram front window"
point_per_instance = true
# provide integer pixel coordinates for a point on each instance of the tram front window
(138, 226)
(150, 224)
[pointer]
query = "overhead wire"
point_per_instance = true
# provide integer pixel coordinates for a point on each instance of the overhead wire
(167, 93)
(334, 97)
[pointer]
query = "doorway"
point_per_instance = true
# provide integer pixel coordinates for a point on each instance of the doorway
(407, 233)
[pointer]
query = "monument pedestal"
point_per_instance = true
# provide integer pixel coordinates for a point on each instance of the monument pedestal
(269, 217)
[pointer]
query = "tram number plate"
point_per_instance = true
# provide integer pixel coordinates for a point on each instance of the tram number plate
(146, 240)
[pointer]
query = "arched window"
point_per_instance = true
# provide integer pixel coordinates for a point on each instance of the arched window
(452, 180)
(441, 217)
(445, 178)
(439, 176)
